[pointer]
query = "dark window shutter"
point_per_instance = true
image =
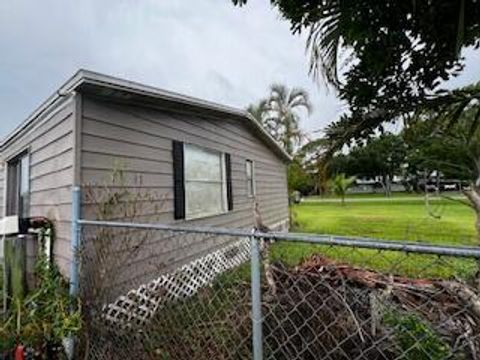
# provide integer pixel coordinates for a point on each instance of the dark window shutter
(178, 180)
(228, 171)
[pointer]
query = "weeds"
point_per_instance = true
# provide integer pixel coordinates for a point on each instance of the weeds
(44, 316)
(415, 338)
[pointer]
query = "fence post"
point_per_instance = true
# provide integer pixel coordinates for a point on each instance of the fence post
(256, 290)
(69, 342)
(75, 242)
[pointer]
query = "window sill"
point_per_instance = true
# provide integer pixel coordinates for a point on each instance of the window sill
(201, 217)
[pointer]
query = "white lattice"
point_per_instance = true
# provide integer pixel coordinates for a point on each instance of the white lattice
(138, 305)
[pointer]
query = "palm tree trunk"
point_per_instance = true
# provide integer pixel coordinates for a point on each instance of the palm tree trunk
(388, 183)
(384, 185)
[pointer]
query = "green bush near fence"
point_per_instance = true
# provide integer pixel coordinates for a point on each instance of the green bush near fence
(44, 316)
(416, 339)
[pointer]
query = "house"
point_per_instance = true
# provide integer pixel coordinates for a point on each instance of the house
(207, 162)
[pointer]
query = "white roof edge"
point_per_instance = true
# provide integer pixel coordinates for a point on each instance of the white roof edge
(267, 135)
(90, 77)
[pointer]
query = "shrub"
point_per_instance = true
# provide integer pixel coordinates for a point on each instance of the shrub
(415, 338)
(43, 317)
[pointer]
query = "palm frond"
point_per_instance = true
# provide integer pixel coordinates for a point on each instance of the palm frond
(299, 98)
(258, 110)
(279, 93)
(279, 116)
(447, 107)
(475, 123)
(323, 42)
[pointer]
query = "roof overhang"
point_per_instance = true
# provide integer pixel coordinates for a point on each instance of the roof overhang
(120, 90)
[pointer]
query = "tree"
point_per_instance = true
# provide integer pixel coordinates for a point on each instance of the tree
(340, 184)
(312, 161)
(385, 57)
(279, 114)
(446, 140)
(452, 149)
(258, 110)
(299, 179)
(282, 119)
(382, 156)
(432, 150)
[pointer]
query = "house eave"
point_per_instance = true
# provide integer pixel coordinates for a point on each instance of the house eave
(109, 86)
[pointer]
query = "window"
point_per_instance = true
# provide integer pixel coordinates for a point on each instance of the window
(250, 178)
(18, 186)
(202, 181)
(205, 182)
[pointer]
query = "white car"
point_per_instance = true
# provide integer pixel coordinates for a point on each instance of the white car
(450, 187)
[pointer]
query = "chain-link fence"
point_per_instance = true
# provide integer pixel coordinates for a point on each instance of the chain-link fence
(165, 292)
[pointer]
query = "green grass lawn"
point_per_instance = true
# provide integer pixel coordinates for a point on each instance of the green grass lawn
(446, 222)
(452, 223)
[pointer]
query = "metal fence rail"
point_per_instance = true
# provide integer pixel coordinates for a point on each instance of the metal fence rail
(321, 239)
(149, 295)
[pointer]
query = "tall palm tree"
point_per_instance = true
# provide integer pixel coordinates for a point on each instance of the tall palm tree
(258, 110)
(282, 117)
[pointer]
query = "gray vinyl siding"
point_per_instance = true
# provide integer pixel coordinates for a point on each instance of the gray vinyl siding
(139, 140)
(49, 141)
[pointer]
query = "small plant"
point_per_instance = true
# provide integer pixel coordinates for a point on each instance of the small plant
(44, 317)
(340, 184)
(415, 338)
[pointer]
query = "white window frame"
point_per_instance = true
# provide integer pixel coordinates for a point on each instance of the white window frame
(223, 173)
(251, 179)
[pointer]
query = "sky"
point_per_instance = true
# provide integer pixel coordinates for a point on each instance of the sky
(203, 48)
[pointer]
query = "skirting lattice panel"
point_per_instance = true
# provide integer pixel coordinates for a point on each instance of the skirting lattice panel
(139, 305)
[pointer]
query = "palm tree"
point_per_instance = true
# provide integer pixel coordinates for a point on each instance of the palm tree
(340, 184)
(258, 110)
(281, 116)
